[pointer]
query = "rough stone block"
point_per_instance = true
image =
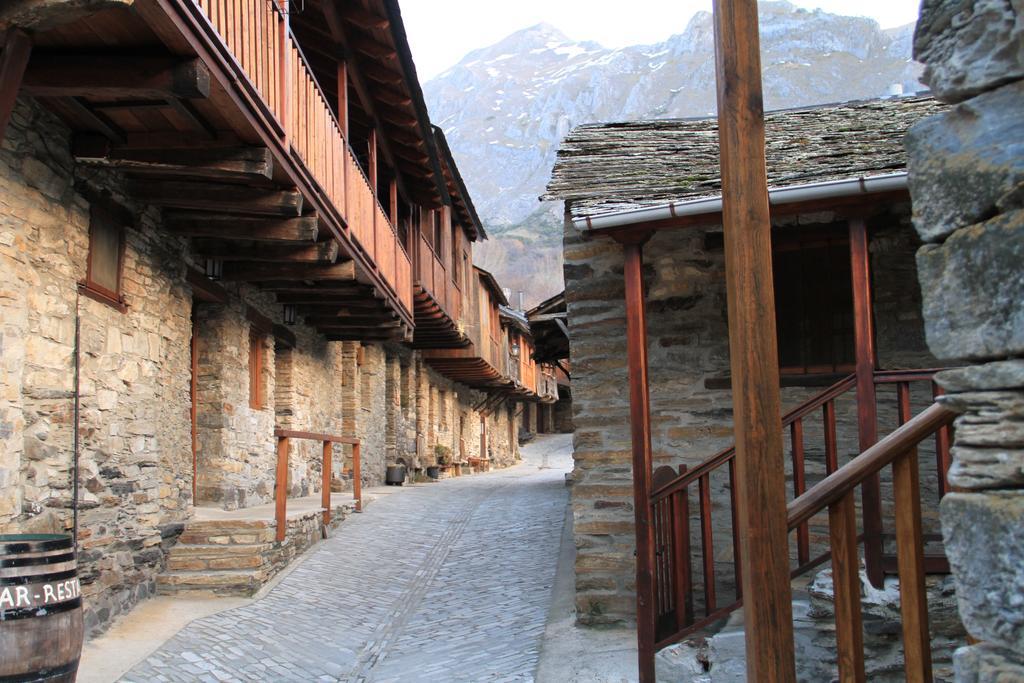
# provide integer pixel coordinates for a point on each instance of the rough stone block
(969, 46)
(967, 162)
(986, 664)
(990, 419)
(973, 290)
(986, 468)
(1006, 374)
(984, 540)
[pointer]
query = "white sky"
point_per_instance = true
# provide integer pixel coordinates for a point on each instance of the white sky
(441, 32)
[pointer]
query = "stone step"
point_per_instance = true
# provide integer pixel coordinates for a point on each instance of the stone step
(229, 582)
(184, 562)
(225, 535)
(205, 551)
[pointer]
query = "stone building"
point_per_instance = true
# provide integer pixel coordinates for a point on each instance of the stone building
(208, 271)
(839, 179)
(967, 175)
(551, 337)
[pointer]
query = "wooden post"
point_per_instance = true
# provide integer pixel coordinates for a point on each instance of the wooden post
(281, 487)
(284, 68)
(842, 522)
(371, 160)
(325, 485)
(917, 653)
(343, 98)
(12, 68)
(640, 423)
(867, 419)
(357, 478)
(761, 485)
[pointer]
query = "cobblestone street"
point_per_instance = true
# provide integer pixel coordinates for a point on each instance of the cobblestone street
(438, 582)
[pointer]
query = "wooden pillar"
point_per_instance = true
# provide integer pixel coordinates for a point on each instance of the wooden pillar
(281, 487)
(371, 155)
(753, 346)
(284, 67)
(12, 68)
(357, 477)
(343, 98)
(325, 483)
(640, 424)
(867, 418)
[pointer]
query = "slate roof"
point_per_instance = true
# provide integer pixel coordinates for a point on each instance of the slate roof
(610, 167)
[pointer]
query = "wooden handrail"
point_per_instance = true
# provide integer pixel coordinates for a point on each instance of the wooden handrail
(284, 437)
(833, 487)
(313, 436)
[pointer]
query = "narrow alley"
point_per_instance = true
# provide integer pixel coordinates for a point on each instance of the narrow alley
(449, 581)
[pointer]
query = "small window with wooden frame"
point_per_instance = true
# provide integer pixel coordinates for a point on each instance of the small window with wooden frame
(105, 259)
(257, 384)
(813, 301)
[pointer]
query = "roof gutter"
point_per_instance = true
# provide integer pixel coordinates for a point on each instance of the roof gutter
(794, 194)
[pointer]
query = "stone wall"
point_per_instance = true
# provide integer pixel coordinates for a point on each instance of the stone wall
(967, 173)
(135, 468)
(135, 463)
(691, 406)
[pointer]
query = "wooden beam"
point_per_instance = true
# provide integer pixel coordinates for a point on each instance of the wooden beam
(113, 76)
(867, 418)
(12, 70)
(180, 194)
(217, 163)
(97, 120)
(225, 250)
(205, 289)
(373, 49)
(761, 499)
(640, 428)
(357, 16)
(232, 227)
(245, 271)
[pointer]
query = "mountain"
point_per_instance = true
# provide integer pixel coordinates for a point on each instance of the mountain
(504, 108)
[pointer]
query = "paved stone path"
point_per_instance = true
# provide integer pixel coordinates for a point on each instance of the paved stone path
(439, 582)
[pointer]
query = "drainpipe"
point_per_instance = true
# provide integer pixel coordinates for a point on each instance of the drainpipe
(75, 450)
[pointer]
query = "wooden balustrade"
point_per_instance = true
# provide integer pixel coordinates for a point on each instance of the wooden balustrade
(676, 588)
(434, 278)
(257, 36)
(284, 439)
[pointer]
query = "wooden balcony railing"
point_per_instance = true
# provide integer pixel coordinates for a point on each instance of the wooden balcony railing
(256, 35)
(284, 439)
(678, 589)
(434, 278)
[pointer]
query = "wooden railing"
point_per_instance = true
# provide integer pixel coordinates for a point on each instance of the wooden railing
(266, 53)
(672, 497)
(284, 439)
(433, 277)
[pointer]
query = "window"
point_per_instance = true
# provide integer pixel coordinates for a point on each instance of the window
(257, 391)
(814, 301)
(106, 254)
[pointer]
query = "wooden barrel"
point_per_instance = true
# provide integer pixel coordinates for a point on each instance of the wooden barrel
(40, 608)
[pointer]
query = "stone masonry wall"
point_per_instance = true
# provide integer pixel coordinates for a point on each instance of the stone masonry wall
(691, 415)
(967, 181)
(135, 455)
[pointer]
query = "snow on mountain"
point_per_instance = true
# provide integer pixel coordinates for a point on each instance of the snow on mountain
(505, 107)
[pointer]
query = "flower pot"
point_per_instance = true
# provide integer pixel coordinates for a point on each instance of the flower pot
(395, 475)
(434, 472)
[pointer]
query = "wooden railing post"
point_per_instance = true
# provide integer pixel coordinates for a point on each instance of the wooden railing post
(682, 582)
(325, 486)
(281, 487)
(357, 478)
(707, 543)
(910, 556)
(842, 522)
(803, 536)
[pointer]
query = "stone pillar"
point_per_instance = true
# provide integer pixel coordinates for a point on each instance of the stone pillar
(967, 182)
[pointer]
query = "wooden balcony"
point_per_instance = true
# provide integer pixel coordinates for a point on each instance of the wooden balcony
(213, 112)
(437, 302)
